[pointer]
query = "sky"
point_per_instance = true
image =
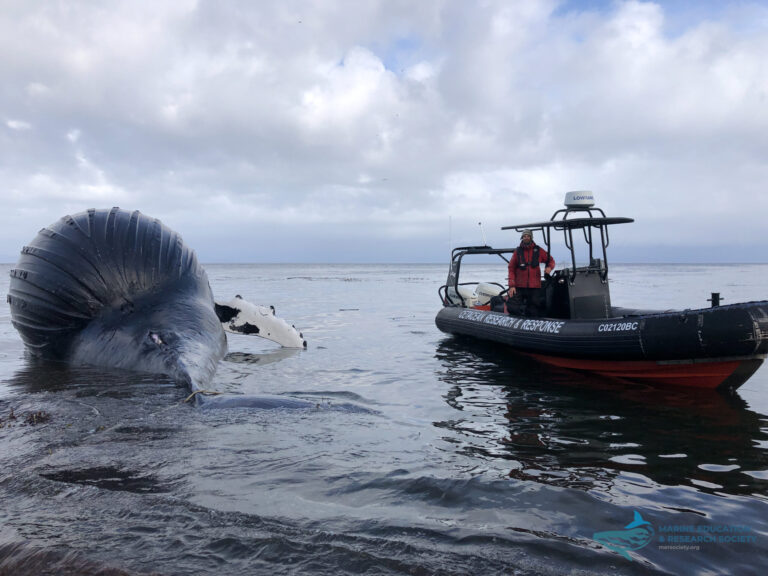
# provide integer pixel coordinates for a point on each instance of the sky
(386, 131)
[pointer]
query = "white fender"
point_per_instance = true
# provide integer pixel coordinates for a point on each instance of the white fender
(239, 316)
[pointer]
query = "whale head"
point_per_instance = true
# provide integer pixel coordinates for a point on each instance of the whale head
(116, 288)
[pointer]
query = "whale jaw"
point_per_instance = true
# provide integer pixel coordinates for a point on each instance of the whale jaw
(177, 336)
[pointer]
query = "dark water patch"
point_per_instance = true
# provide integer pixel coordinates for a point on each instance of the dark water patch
(406, 550)
(39, 376)
(110, 478)
(245, 544)
(22, 559)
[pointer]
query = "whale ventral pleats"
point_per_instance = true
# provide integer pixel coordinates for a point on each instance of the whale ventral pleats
(100, 263)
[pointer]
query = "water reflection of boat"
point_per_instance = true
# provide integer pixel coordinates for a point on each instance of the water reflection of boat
(720, 346)
(559, 427)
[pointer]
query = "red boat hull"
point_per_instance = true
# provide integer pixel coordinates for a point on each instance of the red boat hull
(699, 373)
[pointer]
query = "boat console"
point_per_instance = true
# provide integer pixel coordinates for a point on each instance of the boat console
(581, 293)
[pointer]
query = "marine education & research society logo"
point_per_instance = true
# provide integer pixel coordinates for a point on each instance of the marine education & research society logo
(635, 535)
(681, 537)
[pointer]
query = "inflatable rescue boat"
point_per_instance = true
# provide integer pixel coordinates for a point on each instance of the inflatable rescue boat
(579, 328)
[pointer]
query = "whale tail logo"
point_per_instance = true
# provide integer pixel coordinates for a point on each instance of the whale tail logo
(635, 535)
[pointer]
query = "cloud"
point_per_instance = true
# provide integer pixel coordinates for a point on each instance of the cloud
(18, 125)
(276, 131)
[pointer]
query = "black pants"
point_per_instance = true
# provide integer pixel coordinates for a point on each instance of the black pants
(530, 301)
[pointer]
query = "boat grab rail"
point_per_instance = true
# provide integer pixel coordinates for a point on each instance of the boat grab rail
(453, 273)
(442, 292)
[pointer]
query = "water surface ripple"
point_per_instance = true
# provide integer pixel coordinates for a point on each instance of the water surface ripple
(419, 453)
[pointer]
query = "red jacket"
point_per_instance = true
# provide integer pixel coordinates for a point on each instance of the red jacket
(526, 274)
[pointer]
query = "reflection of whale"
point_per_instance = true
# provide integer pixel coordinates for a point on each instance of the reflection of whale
(635, 535)
(119, 289)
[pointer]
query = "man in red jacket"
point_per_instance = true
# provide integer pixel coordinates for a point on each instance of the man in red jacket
(525, 273)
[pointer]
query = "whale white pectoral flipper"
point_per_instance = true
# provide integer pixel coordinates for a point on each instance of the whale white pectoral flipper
(239, 316)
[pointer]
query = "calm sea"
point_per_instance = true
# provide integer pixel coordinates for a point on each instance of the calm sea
(424, 454)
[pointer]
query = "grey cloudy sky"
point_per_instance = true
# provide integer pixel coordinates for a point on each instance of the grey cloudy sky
(354, 131)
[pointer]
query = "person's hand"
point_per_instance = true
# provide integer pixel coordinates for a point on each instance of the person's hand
(511, 292)
(547, 270)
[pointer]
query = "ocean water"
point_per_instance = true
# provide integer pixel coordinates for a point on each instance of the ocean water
(423, 453)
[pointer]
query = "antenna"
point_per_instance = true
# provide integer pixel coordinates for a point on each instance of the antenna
(483, 233)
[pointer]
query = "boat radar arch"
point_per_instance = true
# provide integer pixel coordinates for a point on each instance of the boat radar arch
(579, 199)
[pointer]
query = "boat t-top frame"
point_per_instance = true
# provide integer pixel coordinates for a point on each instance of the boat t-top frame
(578, 203)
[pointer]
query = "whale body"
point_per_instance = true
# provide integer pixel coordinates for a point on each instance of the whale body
(117, 288)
